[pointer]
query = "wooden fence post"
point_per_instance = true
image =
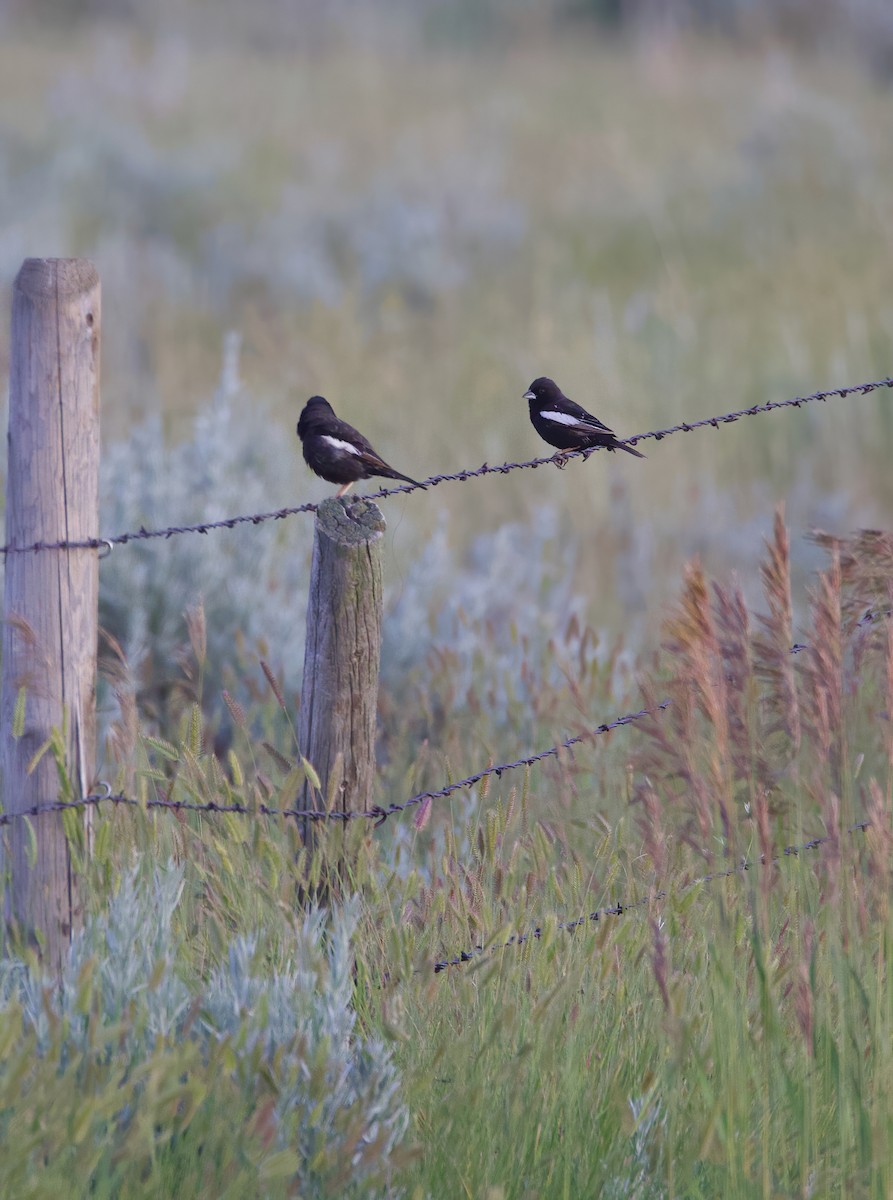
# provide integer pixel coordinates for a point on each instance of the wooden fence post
(51, 596)
(339, 694)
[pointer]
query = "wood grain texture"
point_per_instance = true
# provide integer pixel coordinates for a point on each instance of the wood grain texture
(51, 597)
(342, 656)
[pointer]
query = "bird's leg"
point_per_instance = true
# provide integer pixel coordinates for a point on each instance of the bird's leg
(345, 487)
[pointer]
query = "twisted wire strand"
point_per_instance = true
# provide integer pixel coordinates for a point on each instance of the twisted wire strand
(559, 460)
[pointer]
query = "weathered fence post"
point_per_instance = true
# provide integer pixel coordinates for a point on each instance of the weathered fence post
(51, 596)
(339, 695)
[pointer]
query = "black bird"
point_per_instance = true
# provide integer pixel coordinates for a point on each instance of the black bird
(565, 424)
(335, 450)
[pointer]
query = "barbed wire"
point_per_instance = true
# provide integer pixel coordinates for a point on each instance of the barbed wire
(617, 910)
(559, 460)
(378, 813)
(143, 535)
(627, 719)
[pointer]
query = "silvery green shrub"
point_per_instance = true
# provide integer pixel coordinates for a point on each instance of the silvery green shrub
(233, 462)
(307, 1004)
(288, 1030)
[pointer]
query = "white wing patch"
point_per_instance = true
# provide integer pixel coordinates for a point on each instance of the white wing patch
(559, 418)
(337, 444)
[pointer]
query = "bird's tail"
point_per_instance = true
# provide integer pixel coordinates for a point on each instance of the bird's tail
(406, 479)
(630, 449)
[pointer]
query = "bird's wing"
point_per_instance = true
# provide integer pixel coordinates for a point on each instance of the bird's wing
(353, 441)
(374, 460)
(593, 425)
(586, 418)
(345, 437)
(572, 416)
(343, 444)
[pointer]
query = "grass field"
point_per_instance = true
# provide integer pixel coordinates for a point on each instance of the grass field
(672, 229)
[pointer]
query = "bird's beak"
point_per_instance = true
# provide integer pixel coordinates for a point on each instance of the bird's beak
(529, 396)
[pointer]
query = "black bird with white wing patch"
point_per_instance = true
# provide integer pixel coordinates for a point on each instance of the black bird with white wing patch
(336, 451)
(565, 424)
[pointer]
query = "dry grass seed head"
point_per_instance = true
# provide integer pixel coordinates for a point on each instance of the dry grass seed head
(197, 629)
(887, 716)
(830, 858)
(803, 997)
(659, 962)
(696, 757)
(769, 872)
(865, 563)
(651, 827)
(122, 738)
(751, 767)
(274, 684)
(879, 836)
(773, 660)
(236, 711)
(823, 668)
